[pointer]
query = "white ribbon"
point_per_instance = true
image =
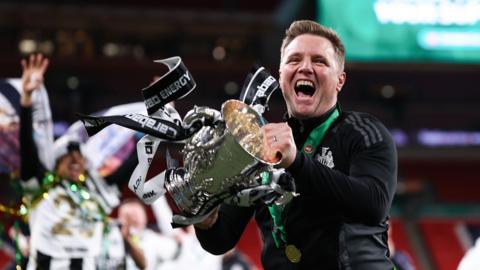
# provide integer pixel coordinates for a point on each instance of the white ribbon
(150, 190)
(147, 191)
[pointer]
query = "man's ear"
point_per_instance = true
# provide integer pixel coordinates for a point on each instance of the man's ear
(341, 81)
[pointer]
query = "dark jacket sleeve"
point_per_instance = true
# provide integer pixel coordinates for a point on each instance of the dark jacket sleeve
(365, 191)
(228, 229)
(30, 165)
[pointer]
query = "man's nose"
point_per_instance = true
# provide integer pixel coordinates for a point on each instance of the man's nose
(306, 67)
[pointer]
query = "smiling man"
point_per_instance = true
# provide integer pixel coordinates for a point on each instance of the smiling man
(344, 165)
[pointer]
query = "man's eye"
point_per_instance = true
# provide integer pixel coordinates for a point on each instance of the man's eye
(320, 61)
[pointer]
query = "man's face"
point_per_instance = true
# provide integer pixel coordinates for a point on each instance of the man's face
(310, 76)
(71, 165)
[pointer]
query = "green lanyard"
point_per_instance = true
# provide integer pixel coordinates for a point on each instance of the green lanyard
(277, 212)
(316, 136)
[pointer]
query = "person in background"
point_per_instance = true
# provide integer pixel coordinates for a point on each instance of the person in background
(68, 209)
(20, 242)
(121, 246)
(131, 245)
(189, 252)
(64, 224)
(471, 259)
(344, 165)
(401, 259)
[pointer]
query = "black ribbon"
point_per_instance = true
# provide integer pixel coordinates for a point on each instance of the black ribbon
(175, 84)
(159, 128)
(258, 87)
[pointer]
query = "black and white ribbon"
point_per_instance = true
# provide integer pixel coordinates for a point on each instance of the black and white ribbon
(258, 87)
(163, 120)
(163, 124)
(147, 191)
(160, 128)
(175, 84)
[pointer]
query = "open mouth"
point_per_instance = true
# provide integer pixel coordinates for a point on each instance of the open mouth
(304, 87)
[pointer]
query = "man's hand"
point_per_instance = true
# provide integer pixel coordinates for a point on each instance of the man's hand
(279, 138)
(32, 77)
(125, 230)
(209, 221)
(133, 247)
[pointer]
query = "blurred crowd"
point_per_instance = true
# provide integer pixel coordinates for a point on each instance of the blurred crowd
(71, 209)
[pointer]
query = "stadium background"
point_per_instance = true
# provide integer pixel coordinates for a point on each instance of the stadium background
(102, 55)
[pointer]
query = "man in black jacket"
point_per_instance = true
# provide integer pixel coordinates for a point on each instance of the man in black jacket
(344, 165)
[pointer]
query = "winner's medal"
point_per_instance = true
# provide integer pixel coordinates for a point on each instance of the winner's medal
(293, 253)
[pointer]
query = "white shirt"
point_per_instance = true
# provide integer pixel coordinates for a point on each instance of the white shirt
(191, 254)
(156, 248)
(471, 259)
(59, 230)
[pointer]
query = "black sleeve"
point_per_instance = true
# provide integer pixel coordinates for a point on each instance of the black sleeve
(122, 175)
(364, 193)
(30, 165)
(228, 229)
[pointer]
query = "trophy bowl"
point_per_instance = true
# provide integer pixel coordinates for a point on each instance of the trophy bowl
(221, 160)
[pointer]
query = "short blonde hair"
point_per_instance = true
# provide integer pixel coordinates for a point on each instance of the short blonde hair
(301, 27)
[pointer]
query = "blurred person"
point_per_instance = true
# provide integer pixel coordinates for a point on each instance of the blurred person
(344, 165)
(132, 245)
(9, 160)
(66, 212)
(18, 239)
(62, 235)
(190, 252)
(120, 248)
(471, 259)
(400, 258)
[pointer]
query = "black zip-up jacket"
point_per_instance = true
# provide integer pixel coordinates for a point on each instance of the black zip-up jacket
(346, 190)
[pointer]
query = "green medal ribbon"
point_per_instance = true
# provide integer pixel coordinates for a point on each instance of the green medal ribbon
(278, 212)
(315, 137)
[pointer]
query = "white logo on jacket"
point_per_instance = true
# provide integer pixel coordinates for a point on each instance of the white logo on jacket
(326, 157)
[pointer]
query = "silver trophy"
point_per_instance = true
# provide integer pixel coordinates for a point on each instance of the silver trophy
(226, 158)
(221, 160)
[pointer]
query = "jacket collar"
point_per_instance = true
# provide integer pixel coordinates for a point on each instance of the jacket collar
(307, 125)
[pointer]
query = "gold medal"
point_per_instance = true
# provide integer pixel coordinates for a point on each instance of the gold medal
(293, 253)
